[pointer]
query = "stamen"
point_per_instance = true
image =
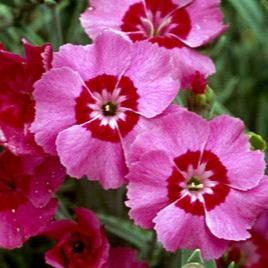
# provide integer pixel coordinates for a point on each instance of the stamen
(194, 184)
(109, 109)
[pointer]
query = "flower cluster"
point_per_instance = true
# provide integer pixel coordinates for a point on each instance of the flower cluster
(105, 111)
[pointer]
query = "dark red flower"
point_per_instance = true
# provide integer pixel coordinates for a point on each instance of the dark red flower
(18, 75)
(26, 186)
(81, 244)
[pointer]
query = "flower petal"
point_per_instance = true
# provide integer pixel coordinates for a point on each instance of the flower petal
(147, 188)
(245, 168)
(55, 97)
(109, 54)
(206, 20)
(150, 71)
(177, 229)
(231, 219)
(82, 154)
(103, 14)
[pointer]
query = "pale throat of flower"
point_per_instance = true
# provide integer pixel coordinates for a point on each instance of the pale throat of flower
(155, 25)
(198, 182)
(108, 107)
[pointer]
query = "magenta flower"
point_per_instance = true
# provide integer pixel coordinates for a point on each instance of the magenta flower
(79, 245)
(178, 25)
(26, 187)
(16, 103)
(92, 101)
(197, 183)
(83, 244)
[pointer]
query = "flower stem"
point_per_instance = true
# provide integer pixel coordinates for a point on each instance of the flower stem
(57, 24)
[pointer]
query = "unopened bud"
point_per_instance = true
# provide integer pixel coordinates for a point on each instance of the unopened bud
(257, 142)
(199, 83)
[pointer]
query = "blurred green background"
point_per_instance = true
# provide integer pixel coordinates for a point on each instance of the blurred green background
(241, 85)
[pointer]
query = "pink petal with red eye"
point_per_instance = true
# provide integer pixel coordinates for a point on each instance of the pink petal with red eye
(98, 160)
(245, 168)
(150, 72)
(19, 225)
(109, 54)
(103, 14)
(147, 188)
(206, 21)
(55, 97)
(239, 211)
(177, 229)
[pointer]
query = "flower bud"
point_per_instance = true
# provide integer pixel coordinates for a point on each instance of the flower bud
(256, 141)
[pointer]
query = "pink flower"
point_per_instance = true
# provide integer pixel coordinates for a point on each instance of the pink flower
(16, 103)
(26, 186)
(124, 258)
(79, 245)
(93, 100)
(251, 253)
(178, 25)
(196, 182)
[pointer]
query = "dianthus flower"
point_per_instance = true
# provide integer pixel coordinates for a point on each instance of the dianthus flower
(92, 100)
(196, 182)
(83, 244)
(18, 75)
(251, 253)
(26, 187)
(177, 25)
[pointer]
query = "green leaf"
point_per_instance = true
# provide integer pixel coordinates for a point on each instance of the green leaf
(195, 257)
(252, 15)
(127, 230)
(210, 264)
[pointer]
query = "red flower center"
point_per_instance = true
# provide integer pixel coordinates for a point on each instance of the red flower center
(198, 182)
(107, 107)
(159, 21)
(78, 246)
